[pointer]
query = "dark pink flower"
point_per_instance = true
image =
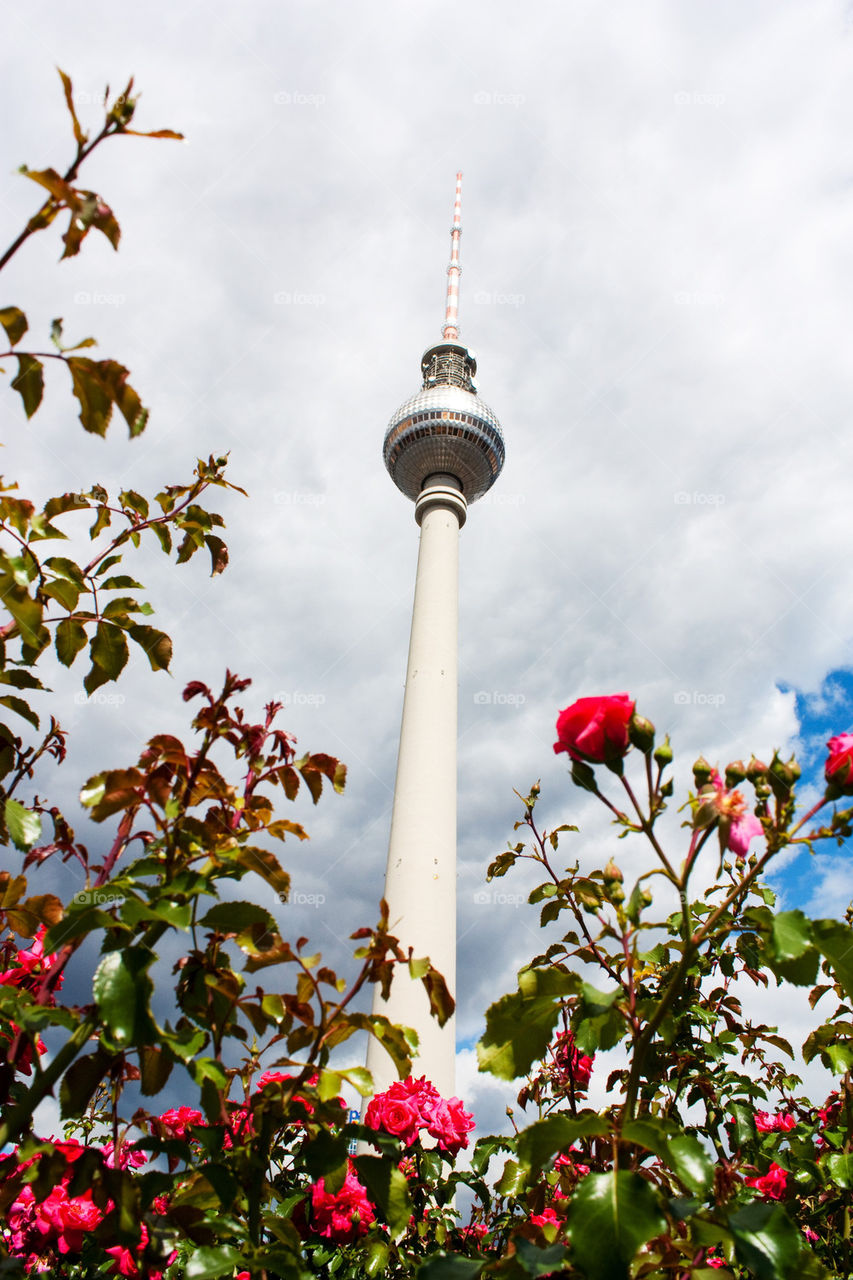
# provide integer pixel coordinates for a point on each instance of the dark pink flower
(838, 769)
(772, 1185)
(177, 1120)
(344, 1215)
(571, 1066)
(595, 729)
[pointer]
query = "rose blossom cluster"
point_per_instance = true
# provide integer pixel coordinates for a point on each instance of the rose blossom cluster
(778, 1123)
(410, 1106)
(28, 970)
(342, 1215)
(44, 1231)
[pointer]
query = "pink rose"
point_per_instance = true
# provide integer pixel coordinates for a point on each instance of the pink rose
(399, 1116)
(177, 1120)
(595, 729)
(741, 831)
(839, 763)
(779, 1123)
(449, 1123)
(342, 1216)
(546, 1218)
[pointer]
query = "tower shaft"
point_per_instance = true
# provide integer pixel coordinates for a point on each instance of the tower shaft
(420, 883)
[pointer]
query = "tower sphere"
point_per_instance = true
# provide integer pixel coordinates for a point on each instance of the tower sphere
(446, 429)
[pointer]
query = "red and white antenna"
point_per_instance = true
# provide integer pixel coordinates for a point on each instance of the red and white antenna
(451, 314)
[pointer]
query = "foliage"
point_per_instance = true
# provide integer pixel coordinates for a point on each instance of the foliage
(707, 1160)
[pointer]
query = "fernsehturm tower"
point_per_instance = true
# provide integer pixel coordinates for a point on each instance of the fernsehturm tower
(443, 449)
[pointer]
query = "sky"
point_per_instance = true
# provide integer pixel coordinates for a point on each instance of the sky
(657, 272)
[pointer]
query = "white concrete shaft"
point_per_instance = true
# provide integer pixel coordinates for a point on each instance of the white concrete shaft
(420, 883)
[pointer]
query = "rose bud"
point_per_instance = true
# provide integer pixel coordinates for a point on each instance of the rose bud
(735, 773)
(641, 732)
(702, 772)
(756, 770)
(782, 776)
(663, 753)
(612, 873)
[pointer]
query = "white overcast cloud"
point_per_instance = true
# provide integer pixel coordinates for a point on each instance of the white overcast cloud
(657, 280)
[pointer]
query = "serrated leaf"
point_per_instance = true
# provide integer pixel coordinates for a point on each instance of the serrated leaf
(69, 639)
(80, 1082)
(234, 917)
(14, 322)
(20, 708)
(766, 1241)
(108, 651)
(29, 382)
(542, 1140)
(23, 825)
(208, 1262)
(388, 1188)
(835, 941)
(620, 1209)
(156, 645)
(122, 988)
(520, 1025)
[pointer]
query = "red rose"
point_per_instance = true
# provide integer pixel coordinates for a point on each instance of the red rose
(773, 1185)
(595, 729)
(839, 763)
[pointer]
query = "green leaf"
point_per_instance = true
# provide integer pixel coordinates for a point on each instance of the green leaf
(538, 1143)
(766, 1241)
(520, 1025)
(80, 1082)
(679, 1151)
(20, 708)
(122, 988)
(14, 322)
(835, 941)
(205, 1263)
(840, 1168)
(234, 917)
(540, 1262)
(70, 638)
(156, 644)
(155, 1068)
(23, 825)
(450, 1266)
(611, 1215)
(29, 382)
(388, 1188)
(108, 651)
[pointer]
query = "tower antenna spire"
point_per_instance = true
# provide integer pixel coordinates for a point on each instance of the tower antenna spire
(451, 313)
